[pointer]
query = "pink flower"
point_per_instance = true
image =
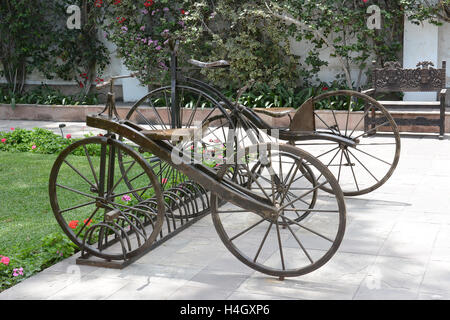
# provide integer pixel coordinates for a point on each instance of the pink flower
(12, 129)
(3, 140)
(68, 136)
(33, 147)
(126, 198)
(165, 9)
(158, 48)
(4, 260)
(17, 272)
(142, 28)
(164, 181)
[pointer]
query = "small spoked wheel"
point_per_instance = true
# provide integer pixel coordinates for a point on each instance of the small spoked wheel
(310, 223)
(358, 117)
(98, 210)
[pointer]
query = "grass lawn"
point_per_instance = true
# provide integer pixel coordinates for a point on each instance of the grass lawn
(25, 212)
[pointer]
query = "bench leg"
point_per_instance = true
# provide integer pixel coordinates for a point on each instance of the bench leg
(442, 119)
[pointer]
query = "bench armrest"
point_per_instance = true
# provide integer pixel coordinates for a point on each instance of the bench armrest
(368, 91)
(443, 92)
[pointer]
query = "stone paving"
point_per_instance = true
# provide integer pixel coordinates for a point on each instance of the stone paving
(76, 129)
(396, 246)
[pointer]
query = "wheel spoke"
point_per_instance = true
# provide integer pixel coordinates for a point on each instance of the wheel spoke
(298, 241)
(76, 191)
(77, 206)
(246, 230)
(304, 195)
(363, 166)
(389, 164)
(80, 174)
(122, 176)
(306, 228)
(90, 164)
(353, 172)
(86, 222)
(262, 242)
(373, 129)
(279, 245)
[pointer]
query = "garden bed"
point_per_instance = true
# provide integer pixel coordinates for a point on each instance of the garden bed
(79, 113)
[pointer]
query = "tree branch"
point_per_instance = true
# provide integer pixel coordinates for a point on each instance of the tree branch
(318, 34)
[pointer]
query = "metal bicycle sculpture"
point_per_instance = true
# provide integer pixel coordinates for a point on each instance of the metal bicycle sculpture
(277, 208)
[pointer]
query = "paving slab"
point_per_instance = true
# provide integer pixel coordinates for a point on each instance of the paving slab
(75, 129)
(396, 246)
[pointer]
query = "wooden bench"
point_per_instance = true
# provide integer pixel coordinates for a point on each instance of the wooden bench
(425, 78)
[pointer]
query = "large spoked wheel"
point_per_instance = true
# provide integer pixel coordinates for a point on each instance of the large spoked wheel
(192, 108)
(364, 168)
(283, 245)
(96, 208)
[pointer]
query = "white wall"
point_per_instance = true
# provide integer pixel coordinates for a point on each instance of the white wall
(326, 74)
(444, 48)
(420, 43)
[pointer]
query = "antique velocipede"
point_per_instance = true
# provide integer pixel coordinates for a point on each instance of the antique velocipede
(277, 208)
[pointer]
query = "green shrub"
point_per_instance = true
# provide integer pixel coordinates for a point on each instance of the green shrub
(39, 140)
(46, 95)
(27, 261)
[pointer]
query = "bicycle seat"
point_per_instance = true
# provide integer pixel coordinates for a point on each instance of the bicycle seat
(274, 112)
(215, 64)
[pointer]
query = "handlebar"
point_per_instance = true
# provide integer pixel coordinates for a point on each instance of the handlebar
(112, 79)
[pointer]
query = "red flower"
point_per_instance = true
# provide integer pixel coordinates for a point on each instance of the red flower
(182, 11)
(148, 3)
(324, 88)
(3, 140)
(81, 85)
(116, 2)
(88, 222)
(68, 136)
(73, 224)
(120, 20)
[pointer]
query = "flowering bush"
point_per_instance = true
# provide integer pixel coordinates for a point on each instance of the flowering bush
(27, 261)
(39, 141)
(141, 30)
(254, 43)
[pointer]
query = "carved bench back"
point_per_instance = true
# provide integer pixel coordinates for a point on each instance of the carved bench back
(392, 78)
